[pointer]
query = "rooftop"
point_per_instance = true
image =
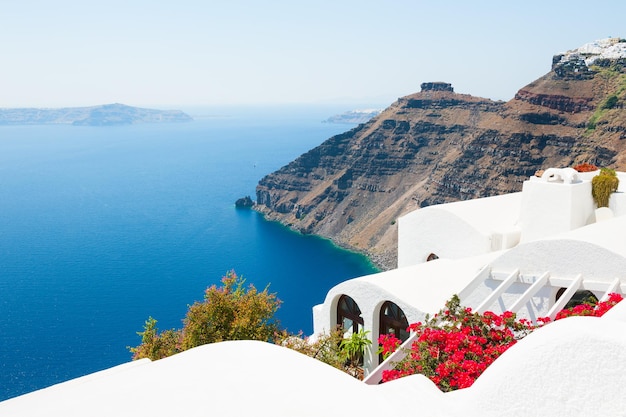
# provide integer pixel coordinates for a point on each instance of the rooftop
(538, 376)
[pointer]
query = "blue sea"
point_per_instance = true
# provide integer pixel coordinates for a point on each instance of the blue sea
(102, 227)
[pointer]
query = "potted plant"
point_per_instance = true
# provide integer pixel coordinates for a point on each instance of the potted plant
(353, 349)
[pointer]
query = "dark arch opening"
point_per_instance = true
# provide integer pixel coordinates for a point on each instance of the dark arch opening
(579, 297)
(432, 257)
(349, 315)
(393, 321)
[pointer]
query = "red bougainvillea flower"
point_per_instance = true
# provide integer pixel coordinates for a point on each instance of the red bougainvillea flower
(585, 167)
(589, 309)
(456, 345)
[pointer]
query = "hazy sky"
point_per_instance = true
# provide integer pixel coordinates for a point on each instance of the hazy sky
(195, 52)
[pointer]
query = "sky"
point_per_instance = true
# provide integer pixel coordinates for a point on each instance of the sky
(169, 54)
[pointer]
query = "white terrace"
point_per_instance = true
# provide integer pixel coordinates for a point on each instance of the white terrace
(527, 252)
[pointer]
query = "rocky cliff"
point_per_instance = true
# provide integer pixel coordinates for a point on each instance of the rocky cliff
(437, 146)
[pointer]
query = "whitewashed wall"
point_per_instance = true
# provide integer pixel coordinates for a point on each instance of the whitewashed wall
(460, 229)
(549, 208)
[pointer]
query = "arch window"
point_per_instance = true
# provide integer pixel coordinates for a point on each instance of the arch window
(349, 315)
(393, 320)
(432, 257)
(579, 297)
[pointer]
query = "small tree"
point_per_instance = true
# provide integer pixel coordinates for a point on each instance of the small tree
(228, 312)
(155, 345)
(231, 312)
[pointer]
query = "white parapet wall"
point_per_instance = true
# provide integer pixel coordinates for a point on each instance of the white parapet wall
(552, 205)
(434, 230)
(458, 230)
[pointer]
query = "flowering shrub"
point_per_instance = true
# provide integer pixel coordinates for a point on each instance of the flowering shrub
(456, 345)
(324, 347)
(585, 167)
(387, 344)
(332, 348)
(590, 309)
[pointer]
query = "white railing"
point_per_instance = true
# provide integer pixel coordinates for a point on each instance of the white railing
(571, 285)
(495, 294)
(374, 377)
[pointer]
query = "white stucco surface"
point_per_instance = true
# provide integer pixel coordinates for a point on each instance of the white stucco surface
(417, 290)
(459, 229)
(618, 312)
(548, 207)
(429, 285)
(222, 379)
(608, 234)
(597, 251)
(573, 367)
(489, 213)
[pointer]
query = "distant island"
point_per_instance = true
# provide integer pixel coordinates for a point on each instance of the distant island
(103, 115)
(354, 116)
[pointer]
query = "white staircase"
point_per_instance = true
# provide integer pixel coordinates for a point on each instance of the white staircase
(534, 284)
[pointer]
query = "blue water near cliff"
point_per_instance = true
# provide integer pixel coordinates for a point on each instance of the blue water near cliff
(102, 227)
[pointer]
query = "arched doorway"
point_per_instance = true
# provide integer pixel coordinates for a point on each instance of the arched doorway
(579, 297)
(349, 315)
(393, 321)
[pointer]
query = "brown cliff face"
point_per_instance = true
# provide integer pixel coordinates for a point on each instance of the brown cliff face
(437, 146)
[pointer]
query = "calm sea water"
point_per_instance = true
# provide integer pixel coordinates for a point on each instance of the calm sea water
(102, 227)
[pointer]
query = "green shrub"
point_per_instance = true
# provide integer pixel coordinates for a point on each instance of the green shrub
(610, 102)
(603, 185)
(345, 354)
(155, 345)
(353, 348)
(229, 312)
(324, 347)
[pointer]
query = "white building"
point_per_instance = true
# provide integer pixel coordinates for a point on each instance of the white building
(527, 252)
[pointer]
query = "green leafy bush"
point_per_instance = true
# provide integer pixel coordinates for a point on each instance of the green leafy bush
(155, 345)
(352, 349)
(610, 102)
(334, 349)
(324, 347)
(228, 312)
(603, 185)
